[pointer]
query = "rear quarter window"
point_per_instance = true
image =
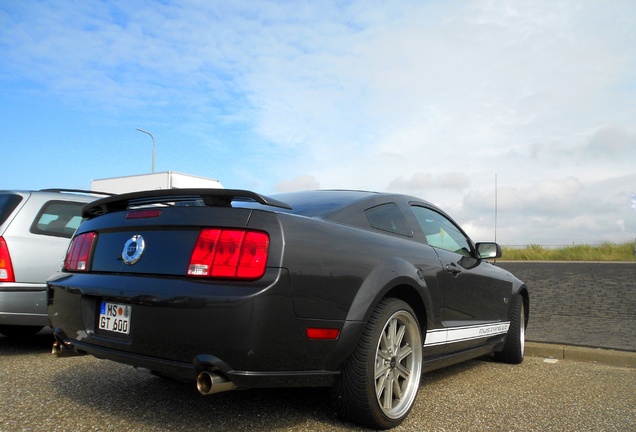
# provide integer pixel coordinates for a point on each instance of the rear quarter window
(8, 203)
(388, 217)
(58, 218)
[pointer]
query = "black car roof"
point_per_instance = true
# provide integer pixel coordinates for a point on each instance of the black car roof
(313, 203)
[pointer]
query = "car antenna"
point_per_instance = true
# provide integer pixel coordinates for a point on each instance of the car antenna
(495, 261)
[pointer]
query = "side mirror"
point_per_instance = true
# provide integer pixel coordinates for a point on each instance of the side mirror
(488, 250)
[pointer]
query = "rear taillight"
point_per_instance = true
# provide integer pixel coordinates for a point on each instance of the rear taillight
(6, 268)
(229, 253)
(79, 252)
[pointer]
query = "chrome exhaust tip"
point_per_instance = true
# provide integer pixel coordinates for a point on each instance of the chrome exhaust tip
(56, 350)
(209, 382)
(61, 349)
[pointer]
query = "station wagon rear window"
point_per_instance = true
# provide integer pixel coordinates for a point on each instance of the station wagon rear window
(58, 218)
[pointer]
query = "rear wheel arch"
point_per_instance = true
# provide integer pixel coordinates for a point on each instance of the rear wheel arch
(410, 296)
(393, 278)
(402, 289)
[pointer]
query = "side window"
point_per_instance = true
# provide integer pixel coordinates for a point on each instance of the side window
(58, 218)
(388, 217)
(8, 203)
(441, 232)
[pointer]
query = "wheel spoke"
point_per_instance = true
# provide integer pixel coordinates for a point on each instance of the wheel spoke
(381, 368)
(392, 333)
(380, 386)
(385, 343)
(384, 355)
(404, 352)
(388, 393)
(399, 337)
(402, 371)
(397, 390)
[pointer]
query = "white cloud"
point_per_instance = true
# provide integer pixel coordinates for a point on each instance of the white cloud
(555, 212)
(614, 143)
(422, 181)
(303, 182)
(428, 98)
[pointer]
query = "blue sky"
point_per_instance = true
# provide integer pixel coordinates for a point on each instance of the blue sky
(431, 98)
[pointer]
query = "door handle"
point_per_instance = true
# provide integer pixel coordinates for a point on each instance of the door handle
(453, 269)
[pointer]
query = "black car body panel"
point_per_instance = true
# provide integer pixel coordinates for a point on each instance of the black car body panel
(331, 260)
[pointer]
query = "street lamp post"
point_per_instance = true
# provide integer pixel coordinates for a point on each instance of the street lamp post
(153, 147)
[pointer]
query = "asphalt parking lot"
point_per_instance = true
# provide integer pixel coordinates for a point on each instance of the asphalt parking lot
(41, 392)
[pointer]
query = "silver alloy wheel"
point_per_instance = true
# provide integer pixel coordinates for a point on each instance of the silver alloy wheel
(398, 364)
(514, 346)
(522, 330)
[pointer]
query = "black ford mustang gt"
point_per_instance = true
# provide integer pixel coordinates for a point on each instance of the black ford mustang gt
(357, 291)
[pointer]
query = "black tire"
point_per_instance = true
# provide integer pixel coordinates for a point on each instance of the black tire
(14, 331)
(513, 351)
(388, 356)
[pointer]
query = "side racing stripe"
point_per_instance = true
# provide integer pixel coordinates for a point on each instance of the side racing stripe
(460, 334)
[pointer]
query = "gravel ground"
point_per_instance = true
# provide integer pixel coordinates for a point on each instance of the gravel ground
(41, 392)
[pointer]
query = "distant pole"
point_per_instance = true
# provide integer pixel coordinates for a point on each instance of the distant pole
(153, 147)
(495, 208)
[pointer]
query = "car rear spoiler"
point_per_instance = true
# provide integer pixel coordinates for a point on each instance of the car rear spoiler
(209, 197)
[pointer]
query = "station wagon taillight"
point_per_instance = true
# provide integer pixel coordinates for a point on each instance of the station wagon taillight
(229, 253)
(6, 268)
(79, 252)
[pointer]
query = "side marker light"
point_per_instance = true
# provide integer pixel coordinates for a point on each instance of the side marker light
(323, 333)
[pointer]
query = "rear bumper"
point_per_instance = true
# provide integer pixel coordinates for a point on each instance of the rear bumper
(23, 304)
(180, 328)
(203, 362)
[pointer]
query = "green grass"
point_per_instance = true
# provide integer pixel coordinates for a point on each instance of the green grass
(602, 252)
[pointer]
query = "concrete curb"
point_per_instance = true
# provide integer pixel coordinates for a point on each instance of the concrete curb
(607, 357)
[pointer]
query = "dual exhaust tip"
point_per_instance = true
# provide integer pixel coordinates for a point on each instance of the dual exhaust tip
(208, 382)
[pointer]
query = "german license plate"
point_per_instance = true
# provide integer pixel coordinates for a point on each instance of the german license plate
(114, 317)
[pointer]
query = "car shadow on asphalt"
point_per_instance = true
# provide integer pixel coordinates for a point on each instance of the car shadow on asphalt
(39, 343)
(149, 402)
(435, 376)
(110, 390)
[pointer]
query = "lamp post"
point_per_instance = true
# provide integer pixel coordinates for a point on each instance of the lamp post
(153, 147)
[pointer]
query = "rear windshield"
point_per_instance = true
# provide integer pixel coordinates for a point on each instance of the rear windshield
(58, 218)
(316, 203)
(8, 203)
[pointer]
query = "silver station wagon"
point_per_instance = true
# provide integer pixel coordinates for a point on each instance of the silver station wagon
(35, 230)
